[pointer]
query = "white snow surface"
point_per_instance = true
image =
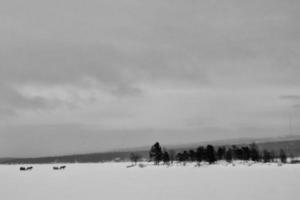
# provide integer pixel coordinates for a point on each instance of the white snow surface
(116, 181)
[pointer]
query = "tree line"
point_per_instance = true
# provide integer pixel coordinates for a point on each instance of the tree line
(211, 154)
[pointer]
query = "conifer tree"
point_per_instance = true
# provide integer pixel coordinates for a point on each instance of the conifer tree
(266, 156)
(282, 156)
(166, 157)
(210, 154)
(200, 154)
(156, 153)
(192, 155)
(221, 153)
(228, 155)
(254, 153)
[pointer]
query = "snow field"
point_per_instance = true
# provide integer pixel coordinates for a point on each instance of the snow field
(116, 181)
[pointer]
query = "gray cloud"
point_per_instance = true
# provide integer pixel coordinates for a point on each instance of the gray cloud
(294, 99)
(54, 64)
(6, 112)
(12, 100)
(127, 91)
(141, 64)
(290, 97)
(296, 105)
(183, 43)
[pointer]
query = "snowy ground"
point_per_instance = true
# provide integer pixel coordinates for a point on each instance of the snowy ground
(115, 181)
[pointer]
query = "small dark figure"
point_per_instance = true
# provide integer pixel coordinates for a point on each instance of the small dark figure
(26, 168)
(22, 168)
(59, 168)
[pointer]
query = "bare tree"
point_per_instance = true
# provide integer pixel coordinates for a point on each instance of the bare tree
(134, 158)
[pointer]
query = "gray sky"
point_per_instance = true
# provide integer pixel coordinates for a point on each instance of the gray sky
(91, 75)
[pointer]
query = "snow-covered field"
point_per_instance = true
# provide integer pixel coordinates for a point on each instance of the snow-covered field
(115, 181)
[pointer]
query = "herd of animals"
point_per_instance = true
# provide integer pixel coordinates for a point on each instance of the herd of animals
(54, 168)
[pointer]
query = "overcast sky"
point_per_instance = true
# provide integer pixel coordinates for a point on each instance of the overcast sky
(92, 75)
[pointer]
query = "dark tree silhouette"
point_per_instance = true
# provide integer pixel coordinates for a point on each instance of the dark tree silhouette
(254, 153)
(236, 153)
(185, 155)
(134, 158)
(266, 156)
(166, 157)
(246, 153)
(182, 157)
(282, 156)
(221, 153)
(192, 155)
(210, 154)
(156, 153)
(179, 157)
(228, 155)
(200, 154)
(240, 153)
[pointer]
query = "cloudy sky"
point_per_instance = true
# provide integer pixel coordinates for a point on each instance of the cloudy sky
(93, 75)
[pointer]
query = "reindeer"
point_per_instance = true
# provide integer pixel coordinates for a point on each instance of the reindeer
(59, 168)
(26, 168)
(22, 168)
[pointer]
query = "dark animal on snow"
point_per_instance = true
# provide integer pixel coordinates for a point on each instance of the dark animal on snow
(59, 168)
(26, 168)
(22, 168)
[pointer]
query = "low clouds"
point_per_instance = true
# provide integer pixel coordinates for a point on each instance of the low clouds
(11, 101)
(290, 97)
(190, 43)
(293, 99)
(59, 64)
(6, 112)
(127, 91)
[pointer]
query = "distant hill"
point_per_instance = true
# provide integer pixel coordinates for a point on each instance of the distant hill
(77, 158)
(290, 145)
